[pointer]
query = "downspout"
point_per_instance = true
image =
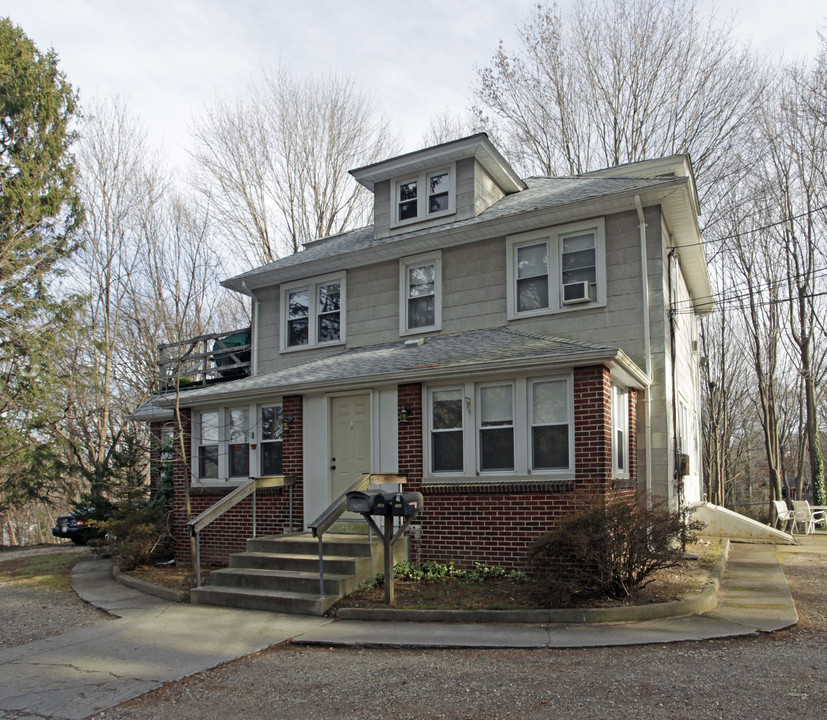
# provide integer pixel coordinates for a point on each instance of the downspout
(253, 329)
(677, 479)
(647, 345)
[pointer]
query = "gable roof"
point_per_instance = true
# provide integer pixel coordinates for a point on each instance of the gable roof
(475, 353)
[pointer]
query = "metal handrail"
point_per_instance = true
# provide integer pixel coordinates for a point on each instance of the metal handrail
(323, 523)
(215, 511)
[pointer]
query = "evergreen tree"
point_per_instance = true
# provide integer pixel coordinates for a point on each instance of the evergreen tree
(40, 212)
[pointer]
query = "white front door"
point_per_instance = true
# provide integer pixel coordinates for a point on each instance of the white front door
(349, 441)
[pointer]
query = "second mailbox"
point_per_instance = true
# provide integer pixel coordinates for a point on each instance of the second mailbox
(404, 504)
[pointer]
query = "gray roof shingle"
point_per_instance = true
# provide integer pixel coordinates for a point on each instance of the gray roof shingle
(541, 193)
(474, 352)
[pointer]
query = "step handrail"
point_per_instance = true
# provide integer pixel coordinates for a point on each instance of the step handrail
(322, 523)
(216, 510)
(337, 508)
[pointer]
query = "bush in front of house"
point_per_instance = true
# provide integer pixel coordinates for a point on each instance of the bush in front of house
(609, 547)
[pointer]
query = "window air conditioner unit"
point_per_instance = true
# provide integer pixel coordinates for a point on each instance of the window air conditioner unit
(576, 293)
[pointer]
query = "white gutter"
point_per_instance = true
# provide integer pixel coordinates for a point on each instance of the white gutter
(647, 343)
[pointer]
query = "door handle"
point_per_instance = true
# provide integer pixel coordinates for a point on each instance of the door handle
(332, 467)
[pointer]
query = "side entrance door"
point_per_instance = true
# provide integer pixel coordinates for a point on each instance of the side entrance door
(349, 441)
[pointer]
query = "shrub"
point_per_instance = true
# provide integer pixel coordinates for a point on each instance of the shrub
(137, 535)
(608, 548)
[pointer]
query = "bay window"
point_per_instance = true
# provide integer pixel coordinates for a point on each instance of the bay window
(518, 427)
(229, 447)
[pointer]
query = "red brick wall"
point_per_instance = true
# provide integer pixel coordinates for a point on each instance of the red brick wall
(593, 426)
(410, 435)
(497, 522)
(230, 532)
(484, 522)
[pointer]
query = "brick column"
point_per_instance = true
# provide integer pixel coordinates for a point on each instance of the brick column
(593, 427)
(410, 435)
(292, 443)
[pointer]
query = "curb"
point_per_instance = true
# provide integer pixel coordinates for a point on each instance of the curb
(159, 591)
(705, 600)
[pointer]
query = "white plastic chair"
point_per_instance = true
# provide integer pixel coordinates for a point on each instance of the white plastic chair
(806, 515)
(783, 514)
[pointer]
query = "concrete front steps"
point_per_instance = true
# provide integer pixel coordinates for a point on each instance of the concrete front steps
(281, 573)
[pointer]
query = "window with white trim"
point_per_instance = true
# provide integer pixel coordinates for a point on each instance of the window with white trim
(238, 442)
(420, 300)
(620, 431)
(447, 430)
(424, 196)
(496, 427)
(271, 440)
(313, 313)
(550, 419)
(556, 269)
(229, 447)
(208, 445)
(515, 428)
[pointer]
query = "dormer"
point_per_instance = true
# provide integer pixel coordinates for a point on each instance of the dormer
(438, 185)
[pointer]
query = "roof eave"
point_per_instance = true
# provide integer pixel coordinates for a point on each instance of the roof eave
(479, 228)
(620, 364)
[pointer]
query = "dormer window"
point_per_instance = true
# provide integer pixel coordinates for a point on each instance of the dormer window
(424, 196)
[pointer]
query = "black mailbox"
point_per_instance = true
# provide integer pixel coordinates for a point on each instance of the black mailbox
(404, 504)
(382, 503)
(361, 501)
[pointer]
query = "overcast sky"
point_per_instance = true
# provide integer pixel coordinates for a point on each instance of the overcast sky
(169, 58)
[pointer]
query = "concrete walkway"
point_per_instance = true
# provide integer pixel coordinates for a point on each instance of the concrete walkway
(81, 673)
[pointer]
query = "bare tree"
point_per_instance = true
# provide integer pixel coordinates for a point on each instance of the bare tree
(793, 177)
(115, 185)
(446, 126)
(274, 164)
(616, 81)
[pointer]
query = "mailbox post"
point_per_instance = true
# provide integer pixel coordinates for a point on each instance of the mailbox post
(389, 505)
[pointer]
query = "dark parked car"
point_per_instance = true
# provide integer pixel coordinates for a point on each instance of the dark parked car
(77, 530)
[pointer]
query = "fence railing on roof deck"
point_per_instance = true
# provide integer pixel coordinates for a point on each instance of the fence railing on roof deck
(204, 360)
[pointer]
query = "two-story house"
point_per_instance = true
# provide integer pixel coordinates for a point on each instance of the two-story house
(498, 341)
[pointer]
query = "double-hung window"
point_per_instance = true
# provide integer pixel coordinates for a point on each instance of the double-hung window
(271, 440)
(313, 313)
(496, 427)
(208, 445)
(620, 431)
(550, 419)
(516, 428)
(556, 269)
(447, 430)
(233, 443)
(420, 299)
(424, 196)
(238, 442)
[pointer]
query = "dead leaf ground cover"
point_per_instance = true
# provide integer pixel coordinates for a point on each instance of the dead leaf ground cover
(491, 594)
